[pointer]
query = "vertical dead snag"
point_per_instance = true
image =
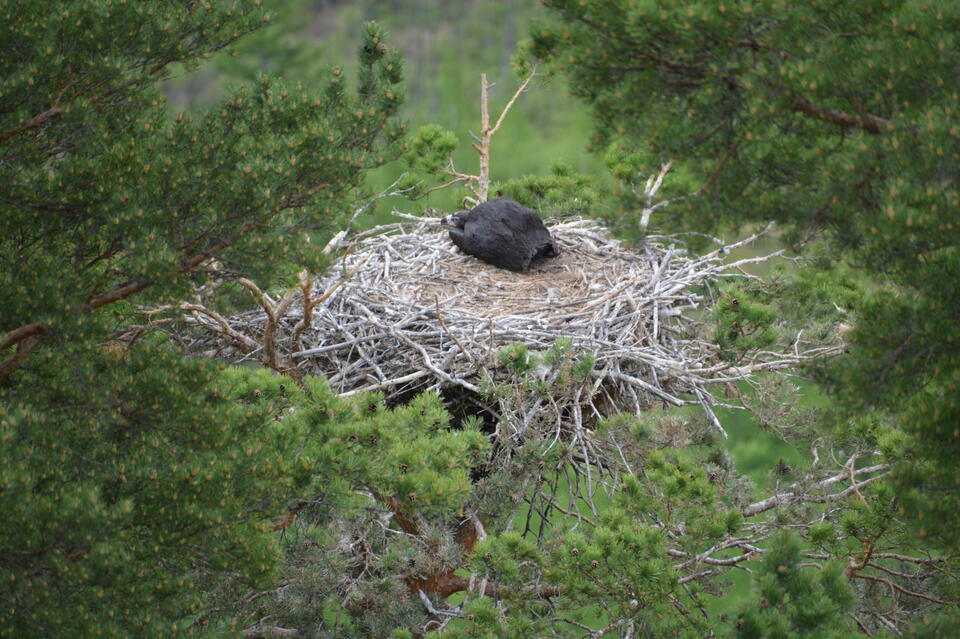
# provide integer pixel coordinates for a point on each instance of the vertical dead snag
(479, 184)
(482, 145)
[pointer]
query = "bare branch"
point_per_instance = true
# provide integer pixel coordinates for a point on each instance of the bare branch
(17, 335)
(650, 191)
(798, 493)
(269, 632)
(509, 105)
(337, 240)
(869, 123)
(907, 558)
(221, 326)
(306, 292)
(897, 587)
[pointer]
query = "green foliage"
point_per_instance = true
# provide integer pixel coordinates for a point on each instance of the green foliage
(632, 170)
(941, 626)
(612, 573)
(112, 197)
(561, 192)
(834, 119)
(818, 292)
(139, 489)
(791, 600)
(359, 461)
(481, 621)
(127, 478)
(728, 90)
(743, 325)
(276, 49)
(555, 371)
(140, 503)
(430, 148)
(137, 486)
(610, 566)
(407, 451)
(517, 358)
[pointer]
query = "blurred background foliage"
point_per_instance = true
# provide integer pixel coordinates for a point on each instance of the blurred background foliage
(445, 46)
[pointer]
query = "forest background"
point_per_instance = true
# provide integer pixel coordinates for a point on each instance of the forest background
(445, 47)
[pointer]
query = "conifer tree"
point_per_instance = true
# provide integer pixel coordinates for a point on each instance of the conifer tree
(838, 120)
(132, 481)
(794, 603)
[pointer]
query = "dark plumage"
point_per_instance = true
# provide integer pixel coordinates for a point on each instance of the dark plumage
(501, 232)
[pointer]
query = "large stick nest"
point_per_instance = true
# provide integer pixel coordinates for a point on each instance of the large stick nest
(417, 306)
(405, 311)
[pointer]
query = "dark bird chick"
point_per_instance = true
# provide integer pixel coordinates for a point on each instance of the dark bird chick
(501, 232)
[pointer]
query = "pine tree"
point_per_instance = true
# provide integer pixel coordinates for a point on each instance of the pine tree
(381, 491)
(794, 603)
(132, 480)
(838, 120)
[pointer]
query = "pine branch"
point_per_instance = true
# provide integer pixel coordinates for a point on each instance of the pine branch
(22, 333)
(26, 338)
(35, 121)
(869, 123)
(54, 111)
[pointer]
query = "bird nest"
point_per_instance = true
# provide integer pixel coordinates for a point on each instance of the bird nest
(406, 312)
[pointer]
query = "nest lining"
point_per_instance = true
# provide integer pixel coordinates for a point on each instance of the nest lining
(423, 269)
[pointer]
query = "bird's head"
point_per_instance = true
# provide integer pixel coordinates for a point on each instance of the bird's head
(455, 221)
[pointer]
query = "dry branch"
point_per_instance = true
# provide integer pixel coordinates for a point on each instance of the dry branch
(269, 632)
(649, 194)
(809, 494)
(479, 185)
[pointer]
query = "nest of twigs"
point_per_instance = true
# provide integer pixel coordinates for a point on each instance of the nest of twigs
(417, 306)
(405, 311)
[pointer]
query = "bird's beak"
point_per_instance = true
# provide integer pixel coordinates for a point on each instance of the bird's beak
(448, 223)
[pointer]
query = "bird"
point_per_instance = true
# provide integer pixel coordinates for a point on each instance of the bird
(501, 232)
